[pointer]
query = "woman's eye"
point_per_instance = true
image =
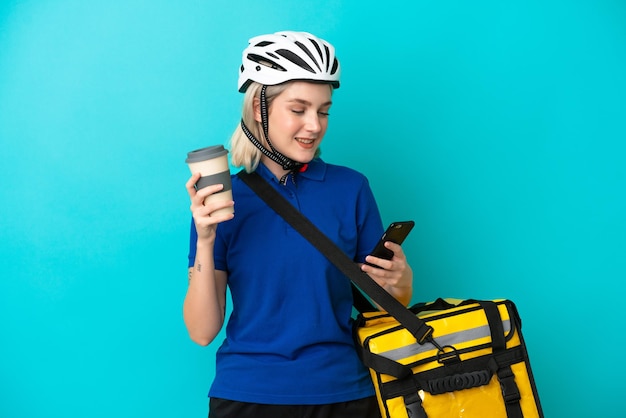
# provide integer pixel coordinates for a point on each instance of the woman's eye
(297, 111)
(323, 113)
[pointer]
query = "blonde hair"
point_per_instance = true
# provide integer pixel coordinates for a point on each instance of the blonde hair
(243, 152)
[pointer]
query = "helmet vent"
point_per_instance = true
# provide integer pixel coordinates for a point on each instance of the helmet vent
(317, 46)
(264, 61)
(306, 50)
(295, 59)
(335, 66)
(327, 57)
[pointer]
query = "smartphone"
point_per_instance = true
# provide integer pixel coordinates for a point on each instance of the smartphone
(396, 232)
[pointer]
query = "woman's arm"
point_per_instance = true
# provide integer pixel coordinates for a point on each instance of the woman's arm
(205, 301)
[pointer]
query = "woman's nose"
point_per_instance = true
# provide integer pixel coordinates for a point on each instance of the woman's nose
(313, 123)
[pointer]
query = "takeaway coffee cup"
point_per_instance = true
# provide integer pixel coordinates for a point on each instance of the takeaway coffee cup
(212, 164)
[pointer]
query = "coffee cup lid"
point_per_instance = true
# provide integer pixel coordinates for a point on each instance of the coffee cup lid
(207, 153)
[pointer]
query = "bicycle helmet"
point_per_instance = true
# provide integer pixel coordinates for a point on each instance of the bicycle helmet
(284, 56)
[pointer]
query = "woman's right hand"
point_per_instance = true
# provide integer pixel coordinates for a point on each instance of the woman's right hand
(205, 223)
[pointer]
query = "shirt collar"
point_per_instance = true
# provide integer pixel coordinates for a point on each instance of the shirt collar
(316, 170)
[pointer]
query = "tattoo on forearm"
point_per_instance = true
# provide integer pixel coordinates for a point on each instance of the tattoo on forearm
(198, 268)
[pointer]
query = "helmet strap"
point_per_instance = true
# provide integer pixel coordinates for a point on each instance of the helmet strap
(265, 118)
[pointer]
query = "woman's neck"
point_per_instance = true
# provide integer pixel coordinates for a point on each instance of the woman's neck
(274, 167)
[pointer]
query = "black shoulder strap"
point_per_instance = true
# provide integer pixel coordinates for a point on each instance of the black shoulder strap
(420, 330)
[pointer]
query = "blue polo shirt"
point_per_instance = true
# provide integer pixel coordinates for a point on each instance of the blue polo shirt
(288, 338)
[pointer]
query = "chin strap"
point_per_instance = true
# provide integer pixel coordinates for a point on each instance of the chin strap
(285, 162)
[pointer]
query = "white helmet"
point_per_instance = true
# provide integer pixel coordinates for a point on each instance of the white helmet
(284, 56)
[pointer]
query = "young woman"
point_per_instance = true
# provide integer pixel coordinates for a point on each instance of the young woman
(288, 350)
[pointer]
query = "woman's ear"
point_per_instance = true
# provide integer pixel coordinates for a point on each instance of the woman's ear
(256, 104)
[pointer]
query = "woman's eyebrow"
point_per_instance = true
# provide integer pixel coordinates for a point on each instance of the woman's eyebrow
(307, 103)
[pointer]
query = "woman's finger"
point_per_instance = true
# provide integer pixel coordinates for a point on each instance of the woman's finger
(191, 184)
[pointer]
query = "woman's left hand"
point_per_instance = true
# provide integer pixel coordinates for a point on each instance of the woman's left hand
(394, 275)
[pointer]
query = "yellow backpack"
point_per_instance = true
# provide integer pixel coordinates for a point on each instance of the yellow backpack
(473, 365)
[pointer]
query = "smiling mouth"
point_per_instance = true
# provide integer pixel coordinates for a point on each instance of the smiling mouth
(305, 141)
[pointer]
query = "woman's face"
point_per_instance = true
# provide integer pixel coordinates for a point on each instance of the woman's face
(298, 118)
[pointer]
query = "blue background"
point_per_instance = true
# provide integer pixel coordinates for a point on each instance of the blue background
(498, 126)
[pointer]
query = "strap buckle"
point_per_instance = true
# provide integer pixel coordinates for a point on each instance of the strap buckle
(510, 391)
